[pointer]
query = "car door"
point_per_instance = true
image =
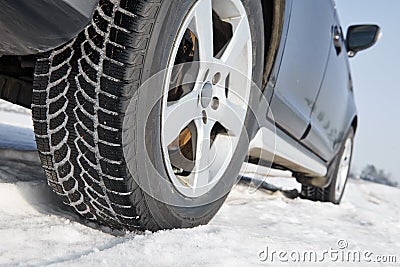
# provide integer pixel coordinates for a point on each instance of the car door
(329, 118)
(303, 65)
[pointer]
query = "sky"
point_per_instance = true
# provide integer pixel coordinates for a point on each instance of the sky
(376, 75)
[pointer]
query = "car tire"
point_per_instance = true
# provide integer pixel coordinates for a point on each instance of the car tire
(339, 172)
(91, 132)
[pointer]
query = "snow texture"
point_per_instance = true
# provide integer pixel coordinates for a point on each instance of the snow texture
(36, 229)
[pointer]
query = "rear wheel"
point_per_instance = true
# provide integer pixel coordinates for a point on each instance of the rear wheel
(339, 175)
(123, 137)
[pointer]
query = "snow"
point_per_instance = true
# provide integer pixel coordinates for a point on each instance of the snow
(13, 109)
(16, 127)
(36, 229)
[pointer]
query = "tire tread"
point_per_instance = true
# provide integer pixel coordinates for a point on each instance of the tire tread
(80, 96)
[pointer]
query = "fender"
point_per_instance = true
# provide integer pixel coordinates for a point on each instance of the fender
(36, 26)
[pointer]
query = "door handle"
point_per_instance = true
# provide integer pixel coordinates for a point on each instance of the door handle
(337, 39)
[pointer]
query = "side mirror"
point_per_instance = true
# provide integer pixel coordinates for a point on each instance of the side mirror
(361, 37)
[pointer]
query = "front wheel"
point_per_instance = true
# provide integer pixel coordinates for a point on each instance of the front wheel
(141, 120)
(339, 175)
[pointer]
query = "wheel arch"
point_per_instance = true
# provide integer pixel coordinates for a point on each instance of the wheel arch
(32, 27)
(273, 13)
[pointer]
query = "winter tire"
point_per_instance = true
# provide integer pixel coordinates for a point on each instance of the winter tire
(107, 159)
(339, 175)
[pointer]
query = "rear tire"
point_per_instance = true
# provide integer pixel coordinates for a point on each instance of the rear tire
(334, 192)
(83, 94)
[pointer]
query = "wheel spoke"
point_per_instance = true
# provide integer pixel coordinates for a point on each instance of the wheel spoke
(204, 30)
(202, 159)
(229, 115)
(343, 164)
(240, 38)
(186, 74)
(179, 114)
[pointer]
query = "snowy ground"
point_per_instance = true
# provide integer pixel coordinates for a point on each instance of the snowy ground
(36, 229)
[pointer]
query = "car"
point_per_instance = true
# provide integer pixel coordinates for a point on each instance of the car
(144, 111)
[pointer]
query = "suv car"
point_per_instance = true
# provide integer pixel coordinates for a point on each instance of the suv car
(144, 111)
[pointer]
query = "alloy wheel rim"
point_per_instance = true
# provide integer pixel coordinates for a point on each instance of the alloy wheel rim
(201, 128)
(344, 168)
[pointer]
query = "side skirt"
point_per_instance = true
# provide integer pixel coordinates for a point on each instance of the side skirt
(270, 143)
